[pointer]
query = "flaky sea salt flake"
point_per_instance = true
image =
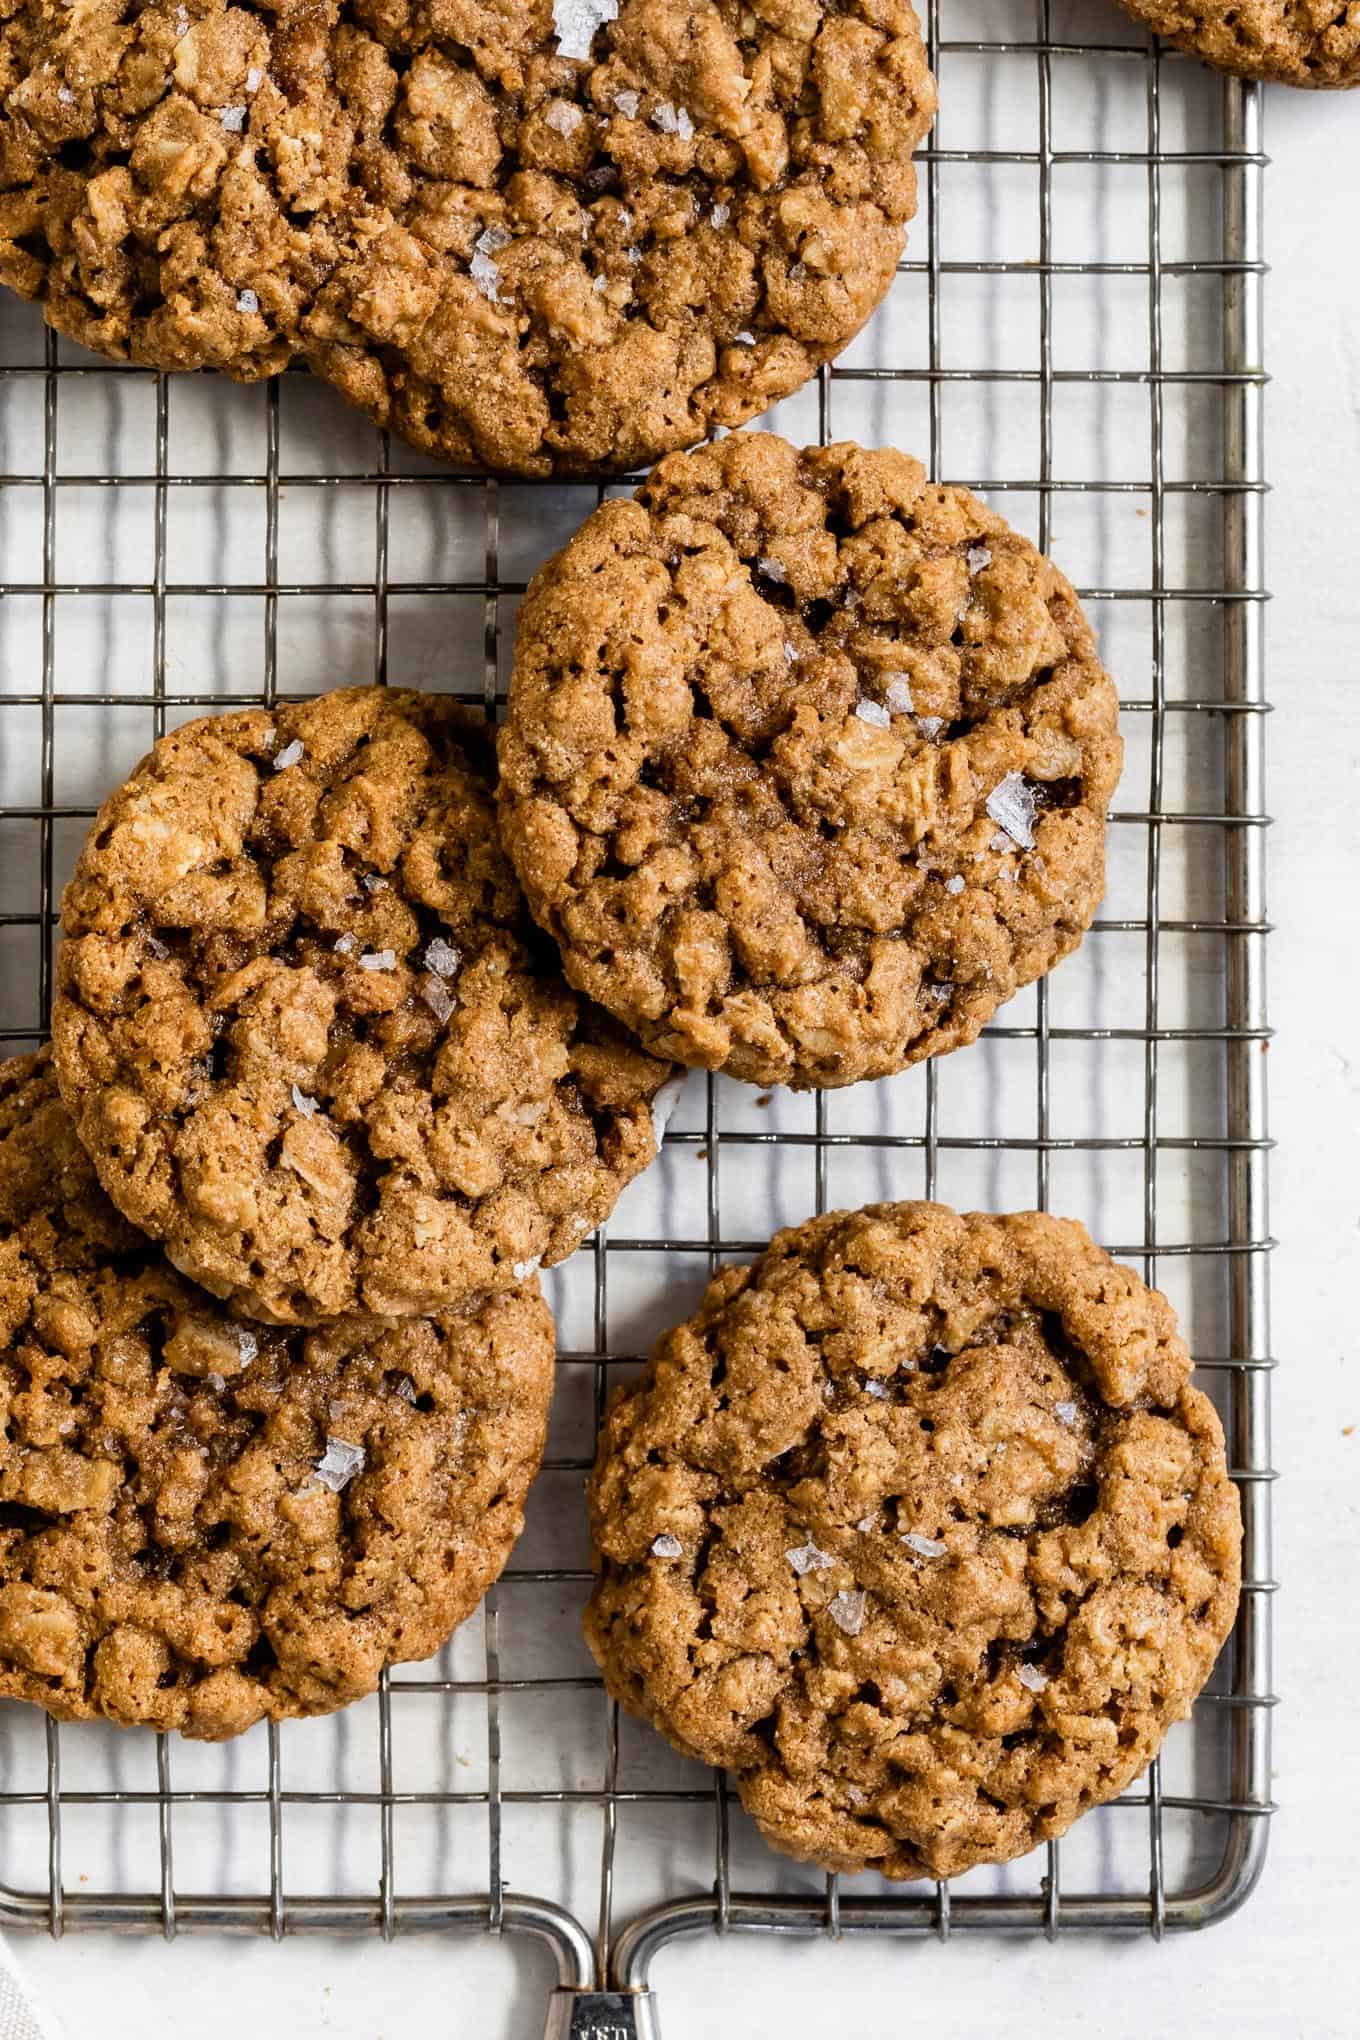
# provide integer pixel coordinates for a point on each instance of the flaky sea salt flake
(340, 1462)
(378, 959)
(806, 1558)
(846, 1610)
(601, 284)
(484, 272)
(1065, 1412)
(930, 726)
(627, 104)
(743, 339)
(254, 80)
(790, 654)
(879, 1390)
(442, 958)
(438, 998)
(233, 118)
(246, 1344)
(345, 945)
(405, 1388)
(562, 117)
(1011, 803)
(373, 881)
(924, 1547)
(873, 712)
(247, 301)
(979, 556)
(865, 1523)
(66, 95)
(530, 1113)
(673, 120)
(1031, 1677)
(305, 1105)
(666, 1546)
(954, 884)
(156, 949)
(720, 215)
(773, 570)
(522, 1270)
(575, 23)
(897, 694)
(291, 754)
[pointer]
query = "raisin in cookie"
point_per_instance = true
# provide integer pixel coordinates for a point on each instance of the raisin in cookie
(920, 1529)
(565, 235)
(308, 1033)
(1294, 42)
(204, 1525)
(807, 762)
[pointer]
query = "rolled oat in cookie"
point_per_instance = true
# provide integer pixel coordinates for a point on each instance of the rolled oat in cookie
(807, 762)
(202, 1523)
(308, 1032)
(925, 1629)
(562, 235)
(1293, 42)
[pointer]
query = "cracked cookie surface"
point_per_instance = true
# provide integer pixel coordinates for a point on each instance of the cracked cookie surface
(560, 235)
(204, 1524)
(308, 1032)
(920, 1529)
(807, 762)
(1293, 42)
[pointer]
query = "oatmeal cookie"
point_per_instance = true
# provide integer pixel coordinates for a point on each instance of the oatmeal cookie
(807, 762)
(309, 1035)
(563, 235)
(204, 1524)
(919, 1528)
(1293, 42)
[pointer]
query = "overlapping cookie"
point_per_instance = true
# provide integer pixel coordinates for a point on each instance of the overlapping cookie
(807, 762)
(309, 1035)
(205, 1523)
(564, 235)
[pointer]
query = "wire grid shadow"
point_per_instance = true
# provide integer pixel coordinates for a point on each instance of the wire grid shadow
(1075, 333)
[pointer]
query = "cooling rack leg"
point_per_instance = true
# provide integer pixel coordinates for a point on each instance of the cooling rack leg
(602, 2015)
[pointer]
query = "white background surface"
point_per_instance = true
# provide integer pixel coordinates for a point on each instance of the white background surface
(1283, 1966)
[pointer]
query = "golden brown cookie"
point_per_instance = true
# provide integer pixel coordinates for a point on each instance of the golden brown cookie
(807, 762)
(1294, 42)
(203, 1524)
(560, 235)
(919, 1528)
(309, 1035)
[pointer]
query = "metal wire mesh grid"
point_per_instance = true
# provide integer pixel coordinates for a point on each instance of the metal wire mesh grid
(253, 544)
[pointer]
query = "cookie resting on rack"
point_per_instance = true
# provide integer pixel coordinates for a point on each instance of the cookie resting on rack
(920, 1530)
(204, 1524)
(1290, 42)
(807, 762)
(308, 1032)
(562, 235)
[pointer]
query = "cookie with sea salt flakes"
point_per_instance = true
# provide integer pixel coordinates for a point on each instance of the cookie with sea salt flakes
(919, 1528)
(1293, 42)
(807, 762)
(560, 236)
(310, 1036)
(205, 1524)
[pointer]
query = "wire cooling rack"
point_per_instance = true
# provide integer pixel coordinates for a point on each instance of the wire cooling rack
(1077, 333)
